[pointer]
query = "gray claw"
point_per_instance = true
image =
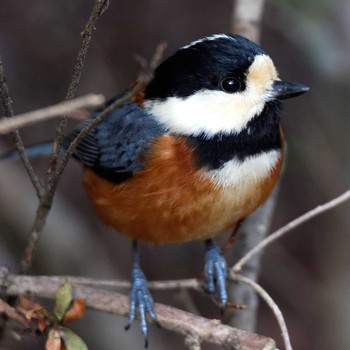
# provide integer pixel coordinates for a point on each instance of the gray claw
(215, 272)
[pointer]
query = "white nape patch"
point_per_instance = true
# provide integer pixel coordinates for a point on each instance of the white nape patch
(208, 38)
(215, 111)
(252, 170)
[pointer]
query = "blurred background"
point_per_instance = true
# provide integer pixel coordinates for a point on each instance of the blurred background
(306, 272)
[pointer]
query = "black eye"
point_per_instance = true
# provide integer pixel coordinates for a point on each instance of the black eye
(231, 85)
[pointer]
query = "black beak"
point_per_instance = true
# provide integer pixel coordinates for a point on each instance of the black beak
(283, 90)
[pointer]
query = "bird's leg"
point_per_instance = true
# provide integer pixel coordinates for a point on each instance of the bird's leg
(215, 272)
(140, 297)
(228, 245)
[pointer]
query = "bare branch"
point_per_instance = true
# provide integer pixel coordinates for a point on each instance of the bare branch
(46, 194)
(246, 21)
(290, 226)
(252, 232)
(99, 8)
(270, 302)
(192, 283)
(17, 140)
(192, 343)
(70, 108)
(33, 239)
(11, 313)
(173, 319)
(247, 17)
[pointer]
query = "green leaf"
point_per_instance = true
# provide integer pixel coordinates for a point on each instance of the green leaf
(72, 340)
(64, 298)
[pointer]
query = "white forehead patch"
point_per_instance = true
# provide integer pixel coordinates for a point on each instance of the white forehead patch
(213, 111)
(239, 173)
(209, 38)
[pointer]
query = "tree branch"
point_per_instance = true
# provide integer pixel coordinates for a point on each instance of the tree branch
(170, 318)
(99, 8)
(70, 108)
(290, 226)
(51, 180)
(192, 343)
(12, 313)
(191, 283)
(246, 18)
(252, 232)
(270, 302)
(246, 21)
(16, 137)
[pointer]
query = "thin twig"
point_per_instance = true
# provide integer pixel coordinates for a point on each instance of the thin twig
(8, 110)
(170, 318)
(51, 180)
(70, 108)
(291, 226)
(270, 302)
(11, 313)
(99, 8)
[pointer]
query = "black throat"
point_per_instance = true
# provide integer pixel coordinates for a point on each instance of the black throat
(262, 134)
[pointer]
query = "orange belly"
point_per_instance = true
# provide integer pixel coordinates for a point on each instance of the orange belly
(171, 201)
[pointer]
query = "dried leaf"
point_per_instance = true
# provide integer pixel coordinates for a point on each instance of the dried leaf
(76, 312)
(54, 341)
(64, 297)
(28, 308)
(42, 324)
(72, 341)
(38, 317)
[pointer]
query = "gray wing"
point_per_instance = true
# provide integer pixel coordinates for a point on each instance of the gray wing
(114, 146)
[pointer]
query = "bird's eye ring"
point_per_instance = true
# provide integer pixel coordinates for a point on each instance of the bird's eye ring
(231, 85)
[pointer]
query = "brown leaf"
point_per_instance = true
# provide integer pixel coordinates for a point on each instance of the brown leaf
(28, 307)
(38, 317)
(76, 312)
(54, 341)
(42, 324)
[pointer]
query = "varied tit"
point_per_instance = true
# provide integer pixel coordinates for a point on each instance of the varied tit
(192, 156)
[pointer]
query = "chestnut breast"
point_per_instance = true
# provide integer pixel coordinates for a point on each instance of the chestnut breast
(172, 201)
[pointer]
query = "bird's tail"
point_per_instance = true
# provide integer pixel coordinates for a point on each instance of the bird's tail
(35, 151)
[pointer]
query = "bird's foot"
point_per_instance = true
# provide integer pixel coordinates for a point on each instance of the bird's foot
(141, 300)
(215, 272)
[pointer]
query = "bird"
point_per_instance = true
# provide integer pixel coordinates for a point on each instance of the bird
(191, 156)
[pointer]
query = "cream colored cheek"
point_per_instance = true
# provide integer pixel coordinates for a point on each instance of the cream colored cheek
(261, 75)
(258, 87)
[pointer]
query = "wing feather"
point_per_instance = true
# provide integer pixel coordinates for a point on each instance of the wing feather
(114, 147)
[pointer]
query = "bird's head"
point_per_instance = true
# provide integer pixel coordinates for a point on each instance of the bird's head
(215, 85)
